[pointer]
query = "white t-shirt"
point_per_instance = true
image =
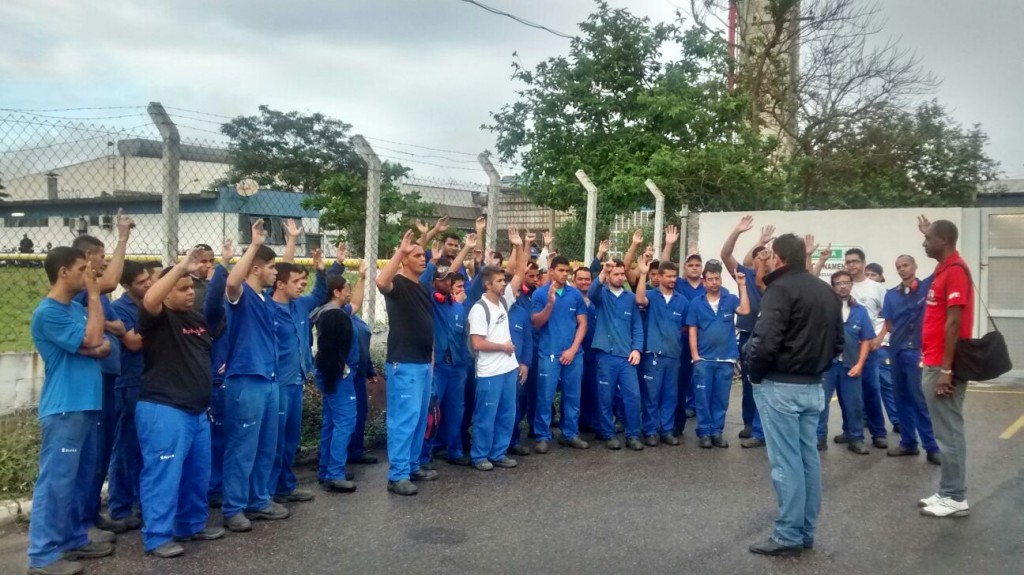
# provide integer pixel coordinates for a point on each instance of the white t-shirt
(871, 294)
(492, 363)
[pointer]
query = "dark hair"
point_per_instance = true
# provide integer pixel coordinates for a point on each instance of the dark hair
(488, 273)
(132, 270)
(946, 230)
(834, 276)
(285, 271)
(757, 250)
(264, 255)
(204, 247)
(86, 243)
(576, 271)
(450, 236)
(532, 265)
(618, 264)
(499, 255)
(558, 261)
(790, 249)
(166, 271)
(60, 257)
(668, 266)
(908, 256)
(335, 282)
(856, 252)
(655, 265)
(712, 267)
(150, 264)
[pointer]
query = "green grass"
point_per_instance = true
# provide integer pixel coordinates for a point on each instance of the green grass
(24, 288)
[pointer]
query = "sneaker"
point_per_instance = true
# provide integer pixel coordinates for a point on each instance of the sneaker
(505, 463)
(541, 447)
(746, 432)
(634, 444)
(461, 461)
(297, 496)
(897, 429)
(651, 441)
(483, 465)
(272, 512)
(705, 442)
(167, 550)
(947, 507)
(214, 500)
(841, 438)
(402, 487)
(98, 535)
(822, 445)
(900, 451)
(520, 450)
(363, 460)
(929, 501)
(934, 458)
(773, 548)
(613, 443)
(423, 475)
(880, 442)
(575, 442)
(752, 442)
(858, 447)
(207, 534)
(338, 486)
(669, 439)
(719, 441)
(690, 414)
(58, 567)
(113, 525)
(132, 522)
(238, 523)
(91, 550)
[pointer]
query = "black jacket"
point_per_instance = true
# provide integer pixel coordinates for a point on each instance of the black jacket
(799, 330)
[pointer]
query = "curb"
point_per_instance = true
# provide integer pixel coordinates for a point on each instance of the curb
(13, 511)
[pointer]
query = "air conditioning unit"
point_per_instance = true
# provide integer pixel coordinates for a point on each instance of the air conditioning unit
(107, 222)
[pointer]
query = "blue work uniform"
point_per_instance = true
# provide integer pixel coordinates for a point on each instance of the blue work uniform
(366, 371)
(125, 457)
(337, 366)
(556, 336)
(215, 310)
(856, 329)
(719, 352)
(745, 326)
(904, 308)
(666, 325)
(686, 396)
(619, 332)
(522, 330)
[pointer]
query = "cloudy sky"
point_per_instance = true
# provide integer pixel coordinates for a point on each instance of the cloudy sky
(424, 72)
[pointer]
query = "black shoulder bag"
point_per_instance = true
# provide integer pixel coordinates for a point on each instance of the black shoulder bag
(984, 358)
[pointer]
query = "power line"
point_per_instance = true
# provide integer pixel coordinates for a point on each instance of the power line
(76, 119)
(200, 113)
(70, 109)
(518, 19)
(420, 147)
(446, 158)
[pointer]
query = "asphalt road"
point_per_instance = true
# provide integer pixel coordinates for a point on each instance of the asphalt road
(666, 509)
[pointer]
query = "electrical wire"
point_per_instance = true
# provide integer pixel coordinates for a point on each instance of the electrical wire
(71, 109)
(420, 147)
(523, 21)
(198, 112)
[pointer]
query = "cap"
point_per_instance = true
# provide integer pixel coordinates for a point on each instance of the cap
(694, 257)
(534, 252)
(444, 269)
(877, 268)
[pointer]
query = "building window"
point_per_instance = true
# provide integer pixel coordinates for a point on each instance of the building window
(272, 225)
(26, 222)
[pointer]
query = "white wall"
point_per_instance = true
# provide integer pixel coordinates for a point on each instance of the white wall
(21, 380)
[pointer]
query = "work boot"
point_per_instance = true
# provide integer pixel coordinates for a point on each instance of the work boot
(505, 463)
(934, 458)
(669, 439)
(113, 525)
(207, 534)
(423, 475)
(613, 443)
(746, 432)
(91, 550)
(238, 523)
(462, 461)
(900, 451)
(297, 496)
(880, 442)
(773, 548)
(167, 550)
(822, 445)
(858, 447)
(651, 441)
(363, 460)
(752, 442)
(214, 500)
(719, 441)
(520, 450)
(98, 535)
(58, 567)
(541, 447)
(483, 465)
(575, 443)
(634, 444)
(841, 438)
(132, 522)
(705, 442)
(339, 486)
(402, 487)
(272, 512)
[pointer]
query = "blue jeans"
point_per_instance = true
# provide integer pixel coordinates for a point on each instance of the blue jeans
(685, 395)
(494, 415)
(67, 461)
(660, 393)
(873, 396)
(449, 385)
(615, 372)
(289, 431)
(338, 422)
(550, 372)
(217, 441)
(175, 472)
(357, 445)
(885, 385)
(750, 417)
(126, 458)
(408, 403)
(910, 402)
(850, 402)
(712, 381)
(790, 413)
(250, 442)
(104, 448)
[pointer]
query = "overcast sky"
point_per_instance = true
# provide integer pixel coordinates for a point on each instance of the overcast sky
(423, 72)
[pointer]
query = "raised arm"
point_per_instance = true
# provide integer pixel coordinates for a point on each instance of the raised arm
(359, 291)
(634, 245)
(517, 259)
(293, 231)
(440, 226)
(213, 306)
(94, 319)
(240, 272)
(153, 302)
(112, 275)
(822, 259)
(671, 237)
(386, 277)
(728, 259)
(767, 235)
(741, 286)
(467, 246)
(641, 285)
(540, 318)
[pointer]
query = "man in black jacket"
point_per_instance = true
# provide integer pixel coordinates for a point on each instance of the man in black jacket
(798, 333)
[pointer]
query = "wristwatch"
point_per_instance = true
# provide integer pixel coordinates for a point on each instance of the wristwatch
(946, 371)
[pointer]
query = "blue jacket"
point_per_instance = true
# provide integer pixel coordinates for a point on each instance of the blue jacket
(856, 329)
(291, 328)
(666, 322)
(906, 313)
(716, 332)
(619, 330)
(559, 332)
(110, 365)
(215, 310)
(450, 335)
(746, 322)
(132, 362)
(253, 347)
(522, 329)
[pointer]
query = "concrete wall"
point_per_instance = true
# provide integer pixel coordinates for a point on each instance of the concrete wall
(21, 380)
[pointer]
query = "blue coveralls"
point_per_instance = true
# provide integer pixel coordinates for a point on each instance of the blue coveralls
(686, 398)
(357, 445)
(522, 338)
(216, 313)
(745, 326)
(719, 352)
(556, 336)
(666, 324)
(856, 329)
(126, 459)
(619, 333)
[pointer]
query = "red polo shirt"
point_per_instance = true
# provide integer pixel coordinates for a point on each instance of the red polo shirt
(951, 287)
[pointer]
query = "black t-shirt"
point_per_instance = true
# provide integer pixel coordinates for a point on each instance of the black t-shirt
(411, 319)
(176, 348)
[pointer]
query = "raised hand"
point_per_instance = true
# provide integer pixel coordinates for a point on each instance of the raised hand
(341, 253)
(638, 237)
(826, 253)
(767, 234)
(603, 247)
(746, 224)
(530, 237)
(649, 252)
(442, 224)
(481, 225)
(552, 293)
(671, 234)
(548, 238)
(258, 234)
(364, 267)
(318, 260)
(471, 240)
(741, 279)
(643, 266)
(124, 225)
(421, 227)
(227, 252)
(809, 245)
(92, 284)
(923, 224)
(408, 243)
(292, 229)
(514, 237)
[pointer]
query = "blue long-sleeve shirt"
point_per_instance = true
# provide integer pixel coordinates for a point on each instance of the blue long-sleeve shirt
(666, 322)
(522, 329)
(132, 362)
(619, 330)
(450, 339)
(216, 314)
(291, 327)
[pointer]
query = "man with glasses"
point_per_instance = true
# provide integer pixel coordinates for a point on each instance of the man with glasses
(871, 295)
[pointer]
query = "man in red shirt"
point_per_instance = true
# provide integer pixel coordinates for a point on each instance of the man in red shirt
(948, 317)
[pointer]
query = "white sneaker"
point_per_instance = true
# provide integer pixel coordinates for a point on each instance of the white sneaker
(929, 501)
(947, 507)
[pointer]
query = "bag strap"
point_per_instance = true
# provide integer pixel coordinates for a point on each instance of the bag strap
(976, 291)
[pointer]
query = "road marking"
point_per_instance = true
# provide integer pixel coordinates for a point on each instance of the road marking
(995, 391)
(1014, 428)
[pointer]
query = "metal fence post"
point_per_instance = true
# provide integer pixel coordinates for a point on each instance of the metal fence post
(588, 245)
(659, 215)
(493, 192)
(170, 166)
(373, 180)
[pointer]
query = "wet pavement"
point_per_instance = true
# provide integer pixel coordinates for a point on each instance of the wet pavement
(666, 509)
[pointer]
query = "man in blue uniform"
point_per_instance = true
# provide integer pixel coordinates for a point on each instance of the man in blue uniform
(618, 339)
(522, 332)
(560, 315)
(714, 351)
(216, 311)
(582, 279)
